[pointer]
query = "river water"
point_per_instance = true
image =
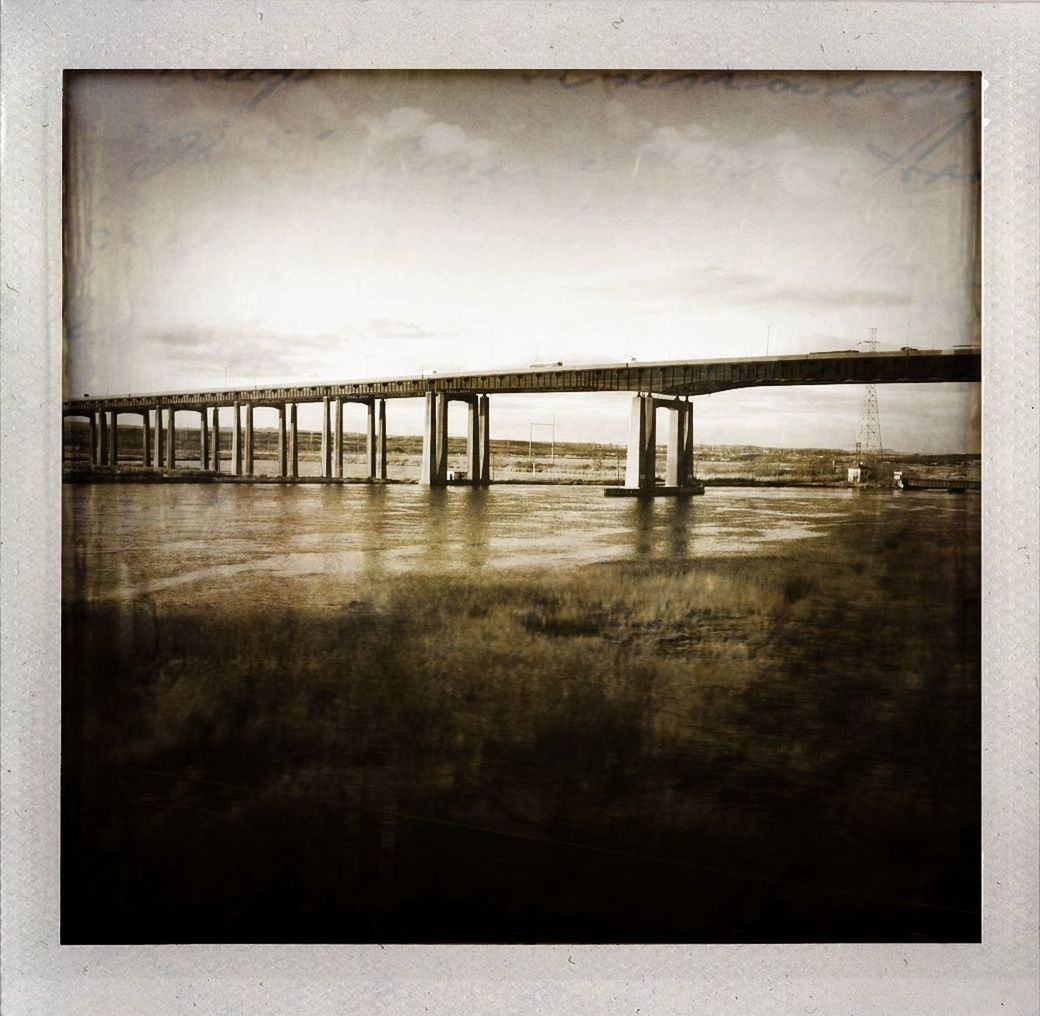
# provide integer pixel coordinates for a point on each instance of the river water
(124, 541)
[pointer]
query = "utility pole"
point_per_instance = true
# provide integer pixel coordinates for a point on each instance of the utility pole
(872, 445)
(530, 442)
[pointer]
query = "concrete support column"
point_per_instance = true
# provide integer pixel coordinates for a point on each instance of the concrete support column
(688, 467)
(236, 441)
(428, 462)
(473, 440)
(113, 439)
(636, 443)
(103, 443)
(337, 439)
(283, 451)
(484, 415)
(171, 438)
(381, 451)
(157, 440)
(370, 440)
(249, 439)
(216, 439)
(442, 438)
(294, 443)
(650, 451)
(103, 447)
(92, 425)
(146, 438)
(326, 439)
(675, 473)
(641, 464)
(203, 439)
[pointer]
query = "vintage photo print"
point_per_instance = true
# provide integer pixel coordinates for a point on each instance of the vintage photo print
(521, 507)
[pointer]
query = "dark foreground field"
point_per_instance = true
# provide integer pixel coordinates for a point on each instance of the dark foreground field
(753, 748)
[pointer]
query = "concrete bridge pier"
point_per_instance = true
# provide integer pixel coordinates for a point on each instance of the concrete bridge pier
(113, 439)
(370, 439)
(157, 439)
(337, 439)
(484, 422)
(428, 462)
(203, 438)
(473, 457)
(441, 444)
(294, 450)
(216, 439)
(146, 438)
(249, 440)
(102, 450)
(283, 450)
(171, 438)
(381, 452)
(236, 440)
(641, 464)
(677, 470)
(687, 445)
(92, 427)
(434, 467)
(106, 439)
(326, 439)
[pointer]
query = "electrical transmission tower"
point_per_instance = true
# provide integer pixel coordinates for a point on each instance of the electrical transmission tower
(871, 446)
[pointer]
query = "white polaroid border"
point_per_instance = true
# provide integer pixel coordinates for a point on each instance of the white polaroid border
(43, 37)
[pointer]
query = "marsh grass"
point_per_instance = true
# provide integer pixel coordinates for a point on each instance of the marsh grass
(743, 748)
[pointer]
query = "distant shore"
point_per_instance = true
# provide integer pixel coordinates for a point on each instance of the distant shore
(522, 463)
(131, 474)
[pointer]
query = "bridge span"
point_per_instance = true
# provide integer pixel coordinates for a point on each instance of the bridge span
(668, 385)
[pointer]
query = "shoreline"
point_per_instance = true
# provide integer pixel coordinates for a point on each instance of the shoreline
(124, 474)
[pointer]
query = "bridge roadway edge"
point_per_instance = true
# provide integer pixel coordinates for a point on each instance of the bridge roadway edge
(680, 377)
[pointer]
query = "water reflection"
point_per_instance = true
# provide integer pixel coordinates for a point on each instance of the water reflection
(125, 541)
(681, 529)
(474, 503)
(643, 526)
(374, 549)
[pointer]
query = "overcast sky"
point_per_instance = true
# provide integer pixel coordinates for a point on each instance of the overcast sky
(329, 226)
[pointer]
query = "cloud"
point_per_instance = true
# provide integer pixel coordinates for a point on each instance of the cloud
(827, 296)
(393, 328)
(621, 122)
(692, 147)
(784, 159)
(411, 139)
(666, 277)
(208, 352)
(668, 284)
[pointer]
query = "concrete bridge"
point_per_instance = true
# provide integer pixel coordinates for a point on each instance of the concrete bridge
(668, 385)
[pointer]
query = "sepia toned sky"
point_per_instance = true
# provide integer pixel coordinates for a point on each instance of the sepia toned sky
(261, 227)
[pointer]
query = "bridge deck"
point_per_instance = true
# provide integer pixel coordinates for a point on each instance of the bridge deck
(672, 377)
